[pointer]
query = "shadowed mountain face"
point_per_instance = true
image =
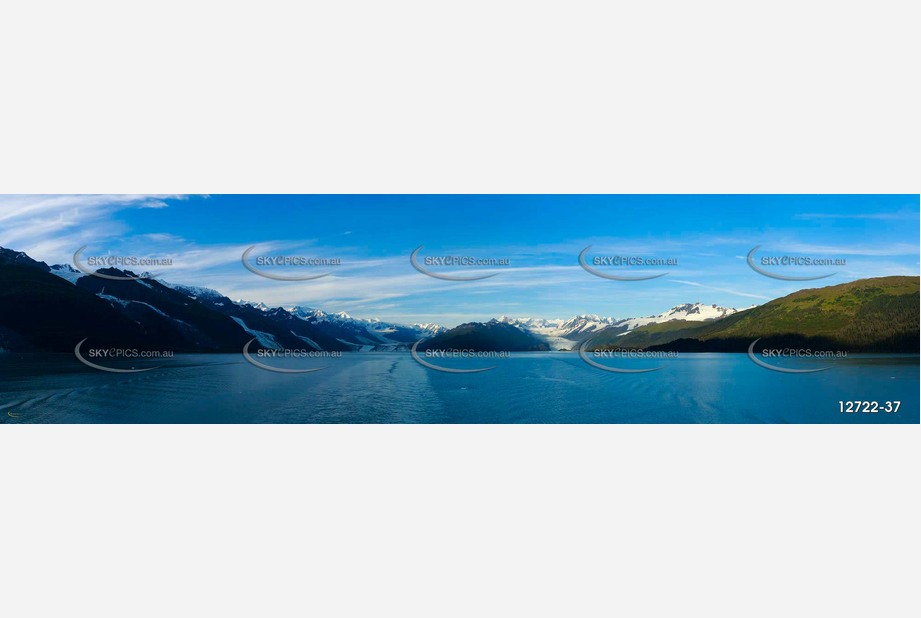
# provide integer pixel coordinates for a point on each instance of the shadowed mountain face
(492, 336)
(173, 320)
(274, 326)
(40, 311)
(869, 315)
(8, 257)
(46, 308)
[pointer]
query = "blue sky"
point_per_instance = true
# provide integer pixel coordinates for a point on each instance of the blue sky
(540, 235)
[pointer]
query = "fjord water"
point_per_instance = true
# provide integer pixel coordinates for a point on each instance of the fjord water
(393, 388)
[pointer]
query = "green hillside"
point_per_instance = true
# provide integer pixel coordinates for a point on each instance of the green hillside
(645, 336)
(879, 314)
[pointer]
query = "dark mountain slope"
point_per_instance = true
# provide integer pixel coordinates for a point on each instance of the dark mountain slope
(173, 320)
(288, 330)
(492, 336)
(41, 311)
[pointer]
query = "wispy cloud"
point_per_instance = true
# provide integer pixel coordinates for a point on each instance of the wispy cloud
(52, 227)
(721, 289)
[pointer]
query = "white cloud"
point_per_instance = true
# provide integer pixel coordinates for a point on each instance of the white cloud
(52, 227)
(720, 289)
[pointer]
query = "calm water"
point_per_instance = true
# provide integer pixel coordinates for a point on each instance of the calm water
(393, 388)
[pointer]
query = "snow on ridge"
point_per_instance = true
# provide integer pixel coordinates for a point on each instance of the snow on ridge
(113, 299)
(430, 327)
(151, 307)
(306, 340)
(562, 334)
(372, 326)
(246, 303)
(193, 291)
(266, 340)
(66, 272)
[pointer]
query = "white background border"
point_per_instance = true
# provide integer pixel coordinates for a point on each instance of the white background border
(531, 97)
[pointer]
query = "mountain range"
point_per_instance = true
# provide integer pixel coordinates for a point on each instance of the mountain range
(561, 334)
(879, 314)
(50, 308)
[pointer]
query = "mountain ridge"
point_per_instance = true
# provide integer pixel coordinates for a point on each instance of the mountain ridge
(868, 314)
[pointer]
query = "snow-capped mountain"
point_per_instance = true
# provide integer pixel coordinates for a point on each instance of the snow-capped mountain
(66, 271)
(359, 334)
(193, 291)
(562, 334)
(690, 312)
(280, 327)
(341, 317)
(367, 333)
(157, 304)
(246, 303)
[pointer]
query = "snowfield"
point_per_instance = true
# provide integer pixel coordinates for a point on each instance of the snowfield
(562, 334)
